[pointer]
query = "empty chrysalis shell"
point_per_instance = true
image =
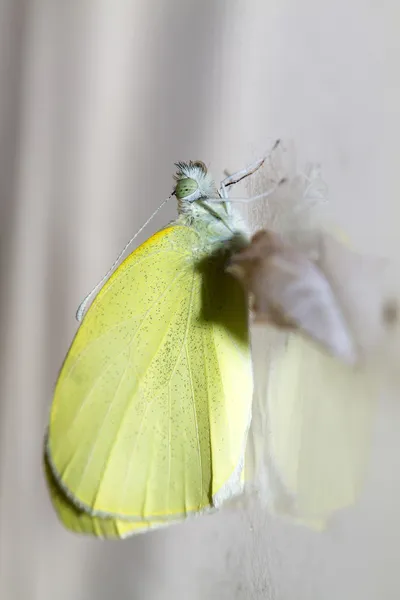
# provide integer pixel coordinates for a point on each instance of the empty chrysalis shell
(290, 291)
(346, 302)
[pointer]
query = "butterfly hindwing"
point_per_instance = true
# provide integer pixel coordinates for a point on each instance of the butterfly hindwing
(79, 521)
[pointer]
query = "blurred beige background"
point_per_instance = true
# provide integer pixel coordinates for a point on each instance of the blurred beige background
(97, 100)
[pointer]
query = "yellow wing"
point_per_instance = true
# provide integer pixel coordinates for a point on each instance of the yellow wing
(320, 418)
(80, 521)
(152, 406)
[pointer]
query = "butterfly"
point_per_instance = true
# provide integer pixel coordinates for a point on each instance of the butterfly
(151, 410)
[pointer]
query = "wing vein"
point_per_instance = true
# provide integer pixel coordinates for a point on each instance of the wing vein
(117, 274)
(148, 404)
(96, 340)
(194, 407)
(112, 359)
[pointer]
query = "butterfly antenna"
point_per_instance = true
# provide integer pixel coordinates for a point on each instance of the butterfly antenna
(82, 307)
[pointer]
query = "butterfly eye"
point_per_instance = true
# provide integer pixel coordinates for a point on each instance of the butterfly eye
(200, 165)
(185, 187)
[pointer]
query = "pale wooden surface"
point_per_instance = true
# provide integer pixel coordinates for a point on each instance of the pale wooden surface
(98, 99)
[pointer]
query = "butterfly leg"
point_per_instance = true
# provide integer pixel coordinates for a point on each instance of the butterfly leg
(238, 176)
(232, 179)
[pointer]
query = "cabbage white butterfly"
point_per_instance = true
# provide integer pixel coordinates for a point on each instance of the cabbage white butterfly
(151, 410)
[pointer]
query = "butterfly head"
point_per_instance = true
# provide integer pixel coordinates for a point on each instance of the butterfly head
(193, 183)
